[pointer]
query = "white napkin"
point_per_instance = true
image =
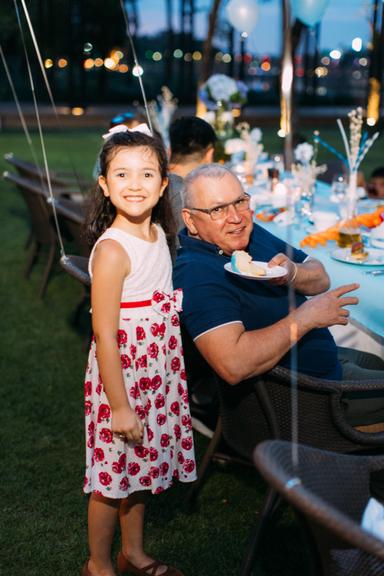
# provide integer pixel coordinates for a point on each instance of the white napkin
(373, 518)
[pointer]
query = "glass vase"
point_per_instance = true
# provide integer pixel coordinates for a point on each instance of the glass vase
(349, 229)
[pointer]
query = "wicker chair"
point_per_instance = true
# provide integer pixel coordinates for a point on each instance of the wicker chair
(72, 217)
(329, 492)
(65, 182)
(43, 231)
(77, 267)
(258, 409)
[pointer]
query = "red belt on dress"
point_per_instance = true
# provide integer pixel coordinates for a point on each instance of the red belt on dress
(138, 304)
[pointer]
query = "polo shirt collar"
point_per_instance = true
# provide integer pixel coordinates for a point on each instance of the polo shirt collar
(196, 244)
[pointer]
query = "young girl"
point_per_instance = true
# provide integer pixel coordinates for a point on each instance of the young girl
(138, 426)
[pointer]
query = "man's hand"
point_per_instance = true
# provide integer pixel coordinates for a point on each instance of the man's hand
(283, 260)
(326, 309)
(127, 425)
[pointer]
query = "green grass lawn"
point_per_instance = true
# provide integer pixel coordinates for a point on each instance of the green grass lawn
(43, 510)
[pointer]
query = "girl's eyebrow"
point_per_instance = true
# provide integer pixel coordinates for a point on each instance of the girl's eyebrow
(144, 168)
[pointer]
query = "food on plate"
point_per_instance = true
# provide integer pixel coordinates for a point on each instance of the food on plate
(358, 252)
(241, 262)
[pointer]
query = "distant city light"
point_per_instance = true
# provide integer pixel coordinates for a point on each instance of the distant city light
(197, 56)
(48, 63)
(321, 90)
(227, 58)
(109, 63)
(265, 66)
(244, 34)
(62, 62)
(117, 54)
(371, 121)
(356, 74)
(335, 54)
(99, 62)
(177, 53)
(187, 57)
(123, 68)
(363, 61)
(77, 111)
(157, 56)
(219, 56)
(321, 71)
(281, 133)
(89, 63)
(325, 60)
(137, 71)
(87, 47)
(357, 44)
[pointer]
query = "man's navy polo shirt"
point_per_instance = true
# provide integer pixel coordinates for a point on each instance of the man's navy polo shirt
(213, 297)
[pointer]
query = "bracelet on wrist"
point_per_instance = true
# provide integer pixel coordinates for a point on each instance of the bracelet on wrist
(294, 273)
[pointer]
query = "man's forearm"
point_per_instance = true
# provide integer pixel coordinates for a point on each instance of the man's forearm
(311, 278)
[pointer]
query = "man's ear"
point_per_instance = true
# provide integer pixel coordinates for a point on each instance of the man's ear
(188, 221)
(208, 156)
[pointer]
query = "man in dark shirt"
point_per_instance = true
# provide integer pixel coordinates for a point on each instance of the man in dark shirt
(192, 143)
(244, 327)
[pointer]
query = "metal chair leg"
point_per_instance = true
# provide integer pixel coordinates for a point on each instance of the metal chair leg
(270, 506)
(210, 451)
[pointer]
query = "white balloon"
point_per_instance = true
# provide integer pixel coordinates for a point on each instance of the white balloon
(242, 14)
(309, 11)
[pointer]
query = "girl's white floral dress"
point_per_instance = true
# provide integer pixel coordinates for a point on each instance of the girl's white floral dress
(153, 369)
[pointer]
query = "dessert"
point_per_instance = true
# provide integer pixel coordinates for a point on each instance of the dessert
(358, 252)
(241, 262)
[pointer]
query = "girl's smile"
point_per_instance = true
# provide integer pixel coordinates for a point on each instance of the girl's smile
(133, 182)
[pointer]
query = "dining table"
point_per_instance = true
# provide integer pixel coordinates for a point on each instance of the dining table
(368, 315)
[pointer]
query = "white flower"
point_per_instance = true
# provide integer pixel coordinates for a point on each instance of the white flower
(256, 135)
(221, 87)
(234, 145)
(210, 117)
(304, 153)
(227, 117)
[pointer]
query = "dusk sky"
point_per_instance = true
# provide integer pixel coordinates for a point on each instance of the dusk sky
(343, 21)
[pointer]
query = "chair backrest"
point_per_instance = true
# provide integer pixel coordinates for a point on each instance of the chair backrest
(35, 198)
(72, 216)
(329, 491)
(260, 409)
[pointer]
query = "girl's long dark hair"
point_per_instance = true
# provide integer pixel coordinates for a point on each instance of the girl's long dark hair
(102, 212)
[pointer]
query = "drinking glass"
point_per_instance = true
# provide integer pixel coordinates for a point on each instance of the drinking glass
(339, 187)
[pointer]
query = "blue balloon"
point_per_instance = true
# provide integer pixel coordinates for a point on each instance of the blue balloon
(309, 11)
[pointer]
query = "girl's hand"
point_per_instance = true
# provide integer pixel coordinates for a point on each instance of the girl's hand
(127, 425)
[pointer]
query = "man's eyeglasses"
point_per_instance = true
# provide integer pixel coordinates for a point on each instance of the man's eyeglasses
(220, 212)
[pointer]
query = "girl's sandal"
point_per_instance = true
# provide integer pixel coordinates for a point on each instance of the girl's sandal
(125, 567)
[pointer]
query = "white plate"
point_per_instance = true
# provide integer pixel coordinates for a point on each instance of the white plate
(275, 272)
(375, 258)
(377, 242)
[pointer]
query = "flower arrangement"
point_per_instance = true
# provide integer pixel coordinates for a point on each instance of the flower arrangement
(161, 111)
(222, 91)
(247, 142)
(356, 148)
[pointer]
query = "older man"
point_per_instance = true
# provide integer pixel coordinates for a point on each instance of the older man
(244, 327)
